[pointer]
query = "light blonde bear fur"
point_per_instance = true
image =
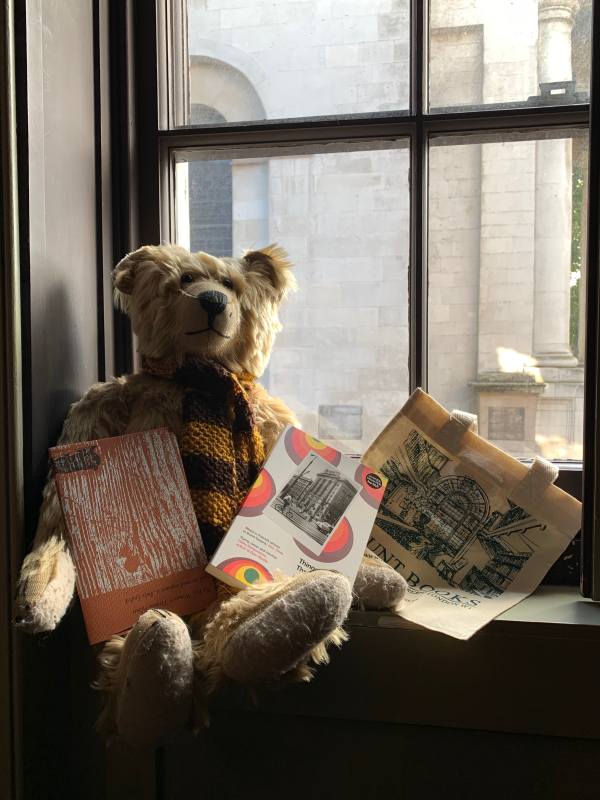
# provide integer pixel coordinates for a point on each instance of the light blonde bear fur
(289, 624)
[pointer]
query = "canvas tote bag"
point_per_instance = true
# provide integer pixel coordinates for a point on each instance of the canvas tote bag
(472, 529)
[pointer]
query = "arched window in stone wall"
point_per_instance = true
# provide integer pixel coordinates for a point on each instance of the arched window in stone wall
(228, 200)
(225, 88)
(210, 195)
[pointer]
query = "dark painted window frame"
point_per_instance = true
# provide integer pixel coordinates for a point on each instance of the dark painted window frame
(154, 32)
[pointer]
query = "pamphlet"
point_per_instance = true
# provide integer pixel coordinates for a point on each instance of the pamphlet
(311, 507)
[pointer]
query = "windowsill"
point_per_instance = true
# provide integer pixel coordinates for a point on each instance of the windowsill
(548, 605)
(526, 672)
(557, 605)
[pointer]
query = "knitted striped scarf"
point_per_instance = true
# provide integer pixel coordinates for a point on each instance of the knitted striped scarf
(221, 447)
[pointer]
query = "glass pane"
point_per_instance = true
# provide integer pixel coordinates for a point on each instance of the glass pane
(507, 221)
(261, 60)
(490, 52)
(341, 360)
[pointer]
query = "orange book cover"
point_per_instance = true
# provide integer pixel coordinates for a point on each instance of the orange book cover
(132, 530)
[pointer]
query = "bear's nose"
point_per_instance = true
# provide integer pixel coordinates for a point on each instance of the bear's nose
(213, 302)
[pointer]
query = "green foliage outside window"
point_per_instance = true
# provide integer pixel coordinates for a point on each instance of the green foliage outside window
(576, 258)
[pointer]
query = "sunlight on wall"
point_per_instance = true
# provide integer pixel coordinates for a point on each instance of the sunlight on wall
(558, 448)
(512, 361)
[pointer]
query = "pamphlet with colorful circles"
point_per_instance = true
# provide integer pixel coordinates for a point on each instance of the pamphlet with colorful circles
(311, 507)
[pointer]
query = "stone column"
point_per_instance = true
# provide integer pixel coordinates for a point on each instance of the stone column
(553, 198)
(555, 24)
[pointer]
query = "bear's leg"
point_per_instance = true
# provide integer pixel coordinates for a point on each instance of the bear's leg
(148, 677)
(378, 586)
(275, 629)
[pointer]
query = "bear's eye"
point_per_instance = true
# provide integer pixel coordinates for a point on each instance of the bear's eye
(187, 277)
(227, 282)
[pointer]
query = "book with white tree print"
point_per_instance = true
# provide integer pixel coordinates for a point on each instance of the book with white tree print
(131, 529)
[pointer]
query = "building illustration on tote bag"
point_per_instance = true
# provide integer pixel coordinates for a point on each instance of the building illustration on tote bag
(447, 521)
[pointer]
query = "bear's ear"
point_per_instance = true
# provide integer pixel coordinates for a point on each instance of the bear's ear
(272, 266)
(124, 273)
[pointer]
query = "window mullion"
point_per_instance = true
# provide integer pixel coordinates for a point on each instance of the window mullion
(417, 297)
(517, 117)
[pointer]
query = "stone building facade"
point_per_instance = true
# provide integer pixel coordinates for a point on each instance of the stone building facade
(504, 332)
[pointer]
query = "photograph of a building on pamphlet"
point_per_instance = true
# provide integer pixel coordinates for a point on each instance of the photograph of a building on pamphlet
(448, 521)
(314, 499)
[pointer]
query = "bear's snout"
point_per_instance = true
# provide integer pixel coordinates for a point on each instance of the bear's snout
(213, 302)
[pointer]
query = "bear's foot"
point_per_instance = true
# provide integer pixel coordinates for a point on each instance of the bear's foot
(276, 629)
(378, 586)
(148, 677)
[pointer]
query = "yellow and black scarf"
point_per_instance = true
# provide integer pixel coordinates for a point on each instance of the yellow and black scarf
(221, 447)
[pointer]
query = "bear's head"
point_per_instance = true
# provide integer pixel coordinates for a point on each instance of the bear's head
(225, 309)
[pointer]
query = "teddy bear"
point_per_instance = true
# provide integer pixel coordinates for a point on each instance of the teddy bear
(205, 327)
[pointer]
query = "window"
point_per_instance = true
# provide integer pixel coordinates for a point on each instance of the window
(263, 60)
(506, 323)
(343, 213)
(426, 166)
(507, 51)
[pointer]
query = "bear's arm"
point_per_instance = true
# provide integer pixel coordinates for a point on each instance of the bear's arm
(272, 415)
(101, 412)
(47, 580)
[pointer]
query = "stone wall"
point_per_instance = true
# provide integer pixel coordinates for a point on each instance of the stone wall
(344, 216)
(309, 57)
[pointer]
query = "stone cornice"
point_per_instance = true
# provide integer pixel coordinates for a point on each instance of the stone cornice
(519, 382)
(558, 10)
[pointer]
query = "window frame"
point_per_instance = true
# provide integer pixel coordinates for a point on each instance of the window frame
(150, 36)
